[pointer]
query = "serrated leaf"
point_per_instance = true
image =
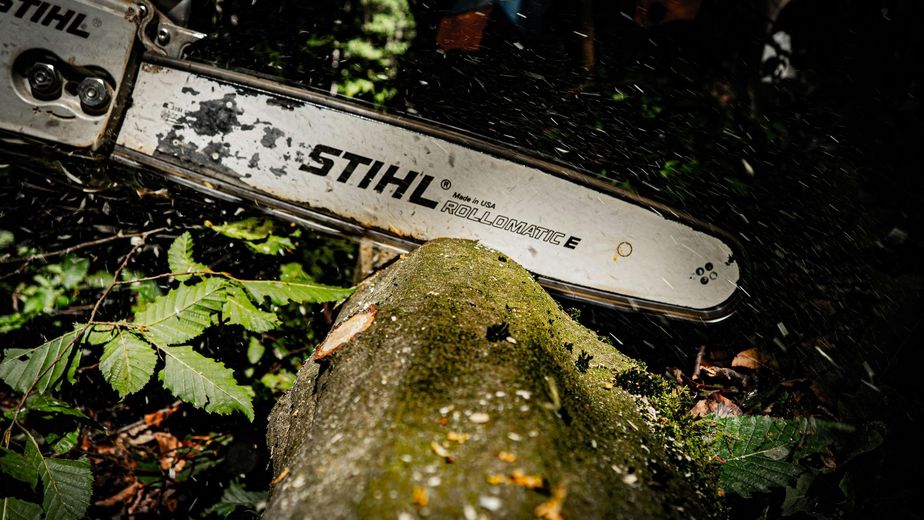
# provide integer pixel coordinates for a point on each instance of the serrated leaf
(127, 363)
(20, 367)
(761, 452)
(67, 488)
(180, 256)
(203, 382)
(16, 509)
(17, 466)
(281, 292)
(234, 497)
(183, 313)
(239, 310)
(251, 228)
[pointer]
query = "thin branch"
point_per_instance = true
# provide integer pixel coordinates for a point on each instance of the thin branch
(164, 275)
(78, 247)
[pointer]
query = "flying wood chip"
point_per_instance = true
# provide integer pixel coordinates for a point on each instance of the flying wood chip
(345, 331)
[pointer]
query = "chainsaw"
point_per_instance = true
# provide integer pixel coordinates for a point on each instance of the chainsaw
(108, 78)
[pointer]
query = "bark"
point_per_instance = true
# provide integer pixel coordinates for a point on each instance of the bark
(465, 398)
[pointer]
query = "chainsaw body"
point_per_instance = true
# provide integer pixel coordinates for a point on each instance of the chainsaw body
(108, 77)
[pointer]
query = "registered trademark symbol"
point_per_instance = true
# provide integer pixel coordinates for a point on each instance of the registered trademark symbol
(97, 23)
(445, 184)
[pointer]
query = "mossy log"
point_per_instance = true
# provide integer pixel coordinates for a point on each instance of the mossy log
(457, 388)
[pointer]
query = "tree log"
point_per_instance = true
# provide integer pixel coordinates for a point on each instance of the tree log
(455, 387)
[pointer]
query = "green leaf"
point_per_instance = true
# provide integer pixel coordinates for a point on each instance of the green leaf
(281, 292)
(255, 351)
(273, 245)
(16, 509)
(234, 497)
(51, 406)
(180, 256)
(73, 270)
(98, 280)
(11, 322)
(18, 467)
(761, 452)
(145, 291)
(127, 363)
(33, 457)
(61, 444)
(293, 272)
(68, 486)
(204, 382)
(251, 228)
(6, 239)
(281, 381)
(239, 310)
(71, 374)
(20, 367)
(183, 313)
(100, 334)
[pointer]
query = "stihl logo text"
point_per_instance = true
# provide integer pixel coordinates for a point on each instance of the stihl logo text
(47, 14)
(322, 163)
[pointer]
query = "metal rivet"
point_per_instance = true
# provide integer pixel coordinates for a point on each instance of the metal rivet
(44, 81)
(624, 249)
(94, 95)
(163, 36)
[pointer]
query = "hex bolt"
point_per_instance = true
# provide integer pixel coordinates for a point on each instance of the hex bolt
(44, 81)
(94, 95)
(163, 36)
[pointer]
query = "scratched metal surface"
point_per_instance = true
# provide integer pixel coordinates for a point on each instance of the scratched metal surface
(80, 33)
(419, 186)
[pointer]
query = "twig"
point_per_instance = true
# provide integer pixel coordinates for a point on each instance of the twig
(697, 365)
(164, 275)
(78, 247)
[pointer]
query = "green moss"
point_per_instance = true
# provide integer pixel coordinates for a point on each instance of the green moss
(427, 367)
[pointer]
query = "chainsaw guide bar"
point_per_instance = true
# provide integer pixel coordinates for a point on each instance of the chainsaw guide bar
(412, 182)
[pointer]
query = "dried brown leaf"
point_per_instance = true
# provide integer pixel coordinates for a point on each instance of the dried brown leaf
(750, 358)
(717, 406)
(124, 495)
